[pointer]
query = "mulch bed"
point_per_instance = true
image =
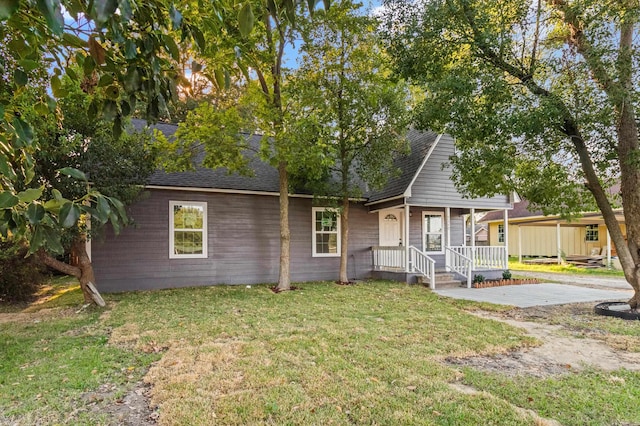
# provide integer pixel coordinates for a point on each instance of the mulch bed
(501, 283)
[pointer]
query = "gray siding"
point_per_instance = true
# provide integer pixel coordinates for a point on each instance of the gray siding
(433, 186)
(243, 239)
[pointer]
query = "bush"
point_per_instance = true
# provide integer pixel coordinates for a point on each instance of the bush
(478, 278)
(506, 275)
(20, 276)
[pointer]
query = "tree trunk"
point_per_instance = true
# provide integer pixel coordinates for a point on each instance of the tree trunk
(284, 280)
(83, 272)
(344, 241)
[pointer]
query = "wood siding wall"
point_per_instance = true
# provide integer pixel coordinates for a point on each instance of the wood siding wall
(243, 238)
(434, 187)
(542, 240)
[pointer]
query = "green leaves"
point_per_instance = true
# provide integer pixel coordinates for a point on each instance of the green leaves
(69, 215)
(74, 173)
(30, 195)
(8, 8)
(52, 13)
(103, 10)
(23, 131)
(35, 213)
(8, 200)
(246, 20)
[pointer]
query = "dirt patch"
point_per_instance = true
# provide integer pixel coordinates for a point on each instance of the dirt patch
(560, 351)
(38, 316)
(132, 409)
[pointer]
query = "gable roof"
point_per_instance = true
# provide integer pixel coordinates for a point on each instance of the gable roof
(409, 165)
(265, 177)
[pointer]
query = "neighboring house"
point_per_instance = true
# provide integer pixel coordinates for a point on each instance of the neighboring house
(208, 227)
(532, 234)
(481, 234)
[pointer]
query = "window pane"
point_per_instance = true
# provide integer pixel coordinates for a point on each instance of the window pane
(187, 242)
(188, 217)
(433, 223)
(327, 243)
(433, 242)
(326, 221)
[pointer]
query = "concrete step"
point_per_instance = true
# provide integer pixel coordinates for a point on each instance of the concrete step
(443, 280)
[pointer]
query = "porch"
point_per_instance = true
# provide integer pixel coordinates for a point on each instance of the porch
(464, 261)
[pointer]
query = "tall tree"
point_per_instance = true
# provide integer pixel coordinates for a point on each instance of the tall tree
(251, 41)
(124, 51)
(345, 106)
(542, 97)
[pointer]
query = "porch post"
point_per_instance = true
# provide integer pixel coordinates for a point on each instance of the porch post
(608, 249)
(558, 243)
(519, 244)
(406, 238)
(447, 224)
(472, 213)
(506, 238)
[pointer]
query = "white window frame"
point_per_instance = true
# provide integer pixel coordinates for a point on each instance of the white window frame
(442, 234)
(314, 233)
(172, 254)
(595, 231)
(501, 233)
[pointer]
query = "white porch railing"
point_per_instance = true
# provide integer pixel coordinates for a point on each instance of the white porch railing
(484, 257)
(476, 258)
(420, 262)
(388, 258)
(460, 263)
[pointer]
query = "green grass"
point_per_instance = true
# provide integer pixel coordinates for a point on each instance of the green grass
(587, 398)
(51, 355)
(564, 269)
(326, 354)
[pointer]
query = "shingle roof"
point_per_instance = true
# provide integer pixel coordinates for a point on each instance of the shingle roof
(420, 143)
(265, 176)
(520, 210)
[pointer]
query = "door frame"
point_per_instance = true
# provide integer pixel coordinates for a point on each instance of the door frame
(398, 213)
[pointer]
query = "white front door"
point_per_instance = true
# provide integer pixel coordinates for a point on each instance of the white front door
(390, 229)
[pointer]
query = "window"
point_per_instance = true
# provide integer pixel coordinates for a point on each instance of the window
(326, 232)
(187, 229)
(433, 232)
(500, 233)
(592, 233)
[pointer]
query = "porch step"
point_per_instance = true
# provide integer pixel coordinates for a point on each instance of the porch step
(443, 280)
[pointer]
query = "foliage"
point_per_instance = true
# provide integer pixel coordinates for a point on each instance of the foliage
(478, 278)
(343, 106)
(506, 275)
(122, 57)
(20, 275)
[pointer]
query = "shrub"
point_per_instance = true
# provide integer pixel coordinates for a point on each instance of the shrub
(478, 278)
(20, 276)
(506, 275)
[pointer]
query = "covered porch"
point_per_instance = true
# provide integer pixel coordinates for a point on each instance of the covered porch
(421, 241)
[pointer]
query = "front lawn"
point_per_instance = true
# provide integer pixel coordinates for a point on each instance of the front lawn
(373, 353)
(563, 268)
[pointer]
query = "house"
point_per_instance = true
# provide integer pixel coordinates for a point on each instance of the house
(207, 227)
(481, 234)
(530, 233)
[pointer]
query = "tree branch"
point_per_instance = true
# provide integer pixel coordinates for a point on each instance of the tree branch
(54, 263)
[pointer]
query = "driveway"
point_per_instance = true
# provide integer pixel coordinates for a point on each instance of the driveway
(573, 289)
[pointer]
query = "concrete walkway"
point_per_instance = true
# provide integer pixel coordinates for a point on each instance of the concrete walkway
(581, 280)
(528, 295)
